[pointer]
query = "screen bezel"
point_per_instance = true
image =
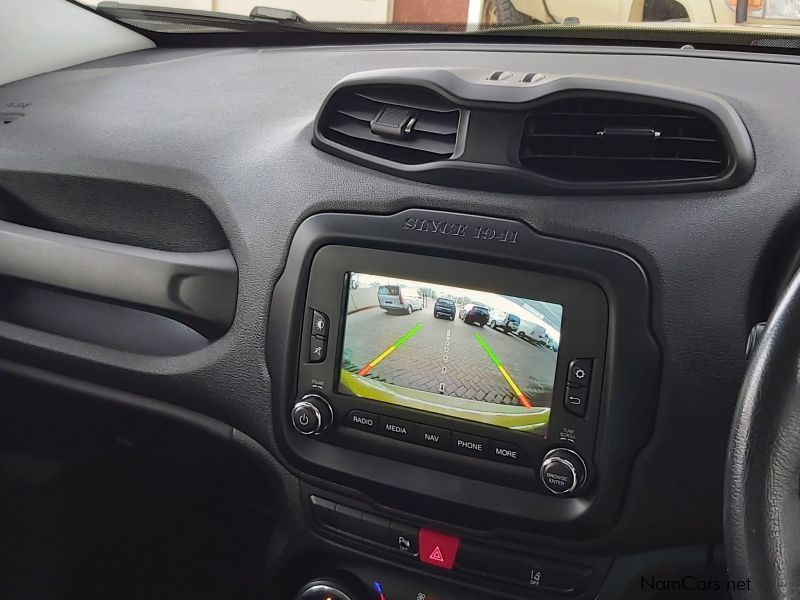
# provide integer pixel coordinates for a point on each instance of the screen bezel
(583, 334)
(340, 349)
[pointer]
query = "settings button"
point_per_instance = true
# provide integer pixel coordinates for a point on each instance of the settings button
(580, 372)
(577, 393)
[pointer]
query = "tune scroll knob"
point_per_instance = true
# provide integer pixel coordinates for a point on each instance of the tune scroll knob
(312, 414)
(563, 472)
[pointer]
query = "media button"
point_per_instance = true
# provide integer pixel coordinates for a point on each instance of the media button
(397, 428)
(405, 538)
(470, 445)
(506, 452)
(435, 437)
(363, 420)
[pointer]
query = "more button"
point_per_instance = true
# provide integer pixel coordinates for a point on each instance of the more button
(507, 452)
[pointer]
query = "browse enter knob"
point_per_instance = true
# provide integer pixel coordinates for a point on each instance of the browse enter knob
(563, 471)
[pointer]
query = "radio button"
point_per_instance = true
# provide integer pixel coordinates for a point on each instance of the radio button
(470, 445)
(319, 324)
(397, 428)
(363, 420)
(508, 453)
(434, 437)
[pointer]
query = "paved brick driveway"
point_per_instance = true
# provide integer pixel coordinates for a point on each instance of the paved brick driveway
(445, 357)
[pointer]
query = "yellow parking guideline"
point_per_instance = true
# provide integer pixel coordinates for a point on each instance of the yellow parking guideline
(367, 368)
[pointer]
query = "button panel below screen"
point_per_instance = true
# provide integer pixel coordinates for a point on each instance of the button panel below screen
(437, 437)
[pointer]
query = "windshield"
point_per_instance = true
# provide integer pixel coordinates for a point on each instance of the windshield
(519, 17)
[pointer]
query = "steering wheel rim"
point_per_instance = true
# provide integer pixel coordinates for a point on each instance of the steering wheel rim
(761, 504)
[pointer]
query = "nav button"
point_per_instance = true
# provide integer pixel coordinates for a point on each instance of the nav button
(435, 437)
(396, 428)
(363, 420)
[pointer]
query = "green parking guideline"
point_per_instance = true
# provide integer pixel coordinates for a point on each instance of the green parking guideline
(368, 367)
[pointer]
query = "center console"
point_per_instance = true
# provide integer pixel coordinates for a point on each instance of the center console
(463, 376)
(453, 365)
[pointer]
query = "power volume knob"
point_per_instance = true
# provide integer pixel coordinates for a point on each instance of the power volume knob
(563, 471)
(312, 414)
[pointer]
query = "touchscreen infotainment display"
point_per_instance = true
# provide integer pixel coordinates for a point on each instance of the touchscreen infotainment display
(470, 354)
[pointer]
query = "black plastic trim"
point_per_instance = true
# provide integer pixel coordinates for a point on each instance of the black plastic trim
(470, 89)
(196, 288)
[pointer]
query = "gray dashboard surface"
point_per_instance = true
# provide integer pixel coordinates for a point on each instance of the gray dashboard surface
(233, 128)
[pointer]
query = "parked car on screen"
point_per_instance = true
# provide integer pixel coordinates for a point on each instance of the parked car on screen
(396, 299)
(533, 333)
(503, 321)
(444, 309)
(474, 314)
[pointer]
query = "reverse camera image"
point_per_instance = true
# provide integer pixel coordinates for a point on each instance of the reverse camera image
(464, 353)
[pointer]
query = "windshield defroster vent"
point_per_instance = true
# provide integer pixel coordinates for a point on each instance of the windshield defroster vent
(614, 138)
(403, 124)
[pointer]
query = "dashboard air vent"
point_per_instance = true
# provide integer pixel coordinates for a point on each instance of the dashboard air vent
(616, 138)
(402, 124)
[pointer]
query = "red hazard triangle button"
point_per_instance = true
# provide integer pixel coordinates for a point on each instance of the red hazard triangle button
(437, 548)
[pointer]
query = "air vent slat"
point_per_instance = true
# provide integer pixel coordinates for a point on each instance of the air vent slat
(437, 123)
(630, 158)
(422, 141)
(611, 138)
(400, 123)
(407, 96)
(354, 113)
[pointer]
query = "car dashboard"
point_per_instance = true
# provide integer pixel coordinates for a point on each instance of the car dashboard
(196, 238)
